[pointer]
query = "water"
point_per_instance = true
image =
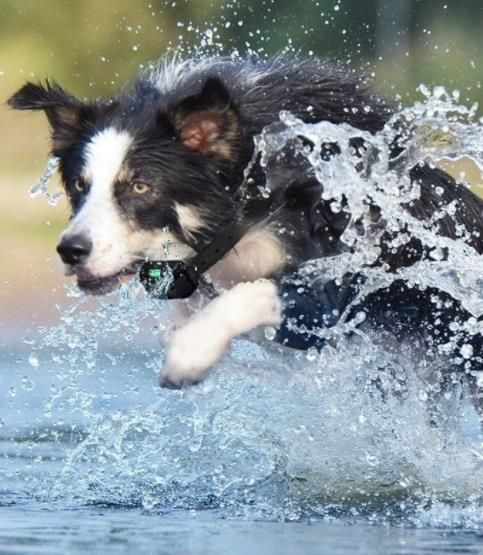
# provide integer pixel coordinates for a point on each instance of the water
(330, 452)
(127, 531)
(256, 456)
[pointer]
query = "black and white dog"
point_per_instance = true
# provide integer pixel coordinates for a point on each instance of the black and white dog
(156, 172)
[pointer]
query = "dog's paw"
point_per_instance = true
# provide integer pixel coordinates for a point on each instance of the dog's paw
(191, 352)
(195, 348)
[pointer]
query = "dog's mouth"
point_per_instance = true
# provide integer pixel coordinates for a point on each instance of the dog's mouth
(101, 285)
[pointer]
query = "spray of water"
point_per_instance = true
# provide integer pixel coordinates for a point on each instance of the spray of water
(41, 187)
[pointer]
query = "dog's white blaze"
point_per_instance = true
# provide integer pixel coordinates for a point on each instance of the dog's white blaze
(104, 157)
(99, 217)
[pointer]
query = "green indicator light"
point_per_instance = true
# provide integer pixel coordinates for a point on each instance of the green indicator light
(155, 273)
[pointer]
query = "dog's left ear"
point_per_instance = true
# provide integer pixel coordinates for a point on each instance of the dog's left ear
(67, 115)
(208, 122)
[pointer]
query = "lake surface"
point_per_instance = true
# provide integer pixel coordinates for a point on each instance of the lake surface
(259, 460)
(42, 530)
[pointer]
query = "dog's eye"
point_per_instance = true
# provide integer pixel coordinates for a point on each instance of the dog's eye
(140, 188)
(80, 186)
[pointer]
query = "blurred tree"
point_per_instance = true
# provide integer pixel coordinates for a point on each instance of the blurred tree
(94, 46)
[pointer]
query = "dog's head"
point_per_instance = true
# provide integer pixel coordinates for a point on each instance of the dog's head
(145, 177)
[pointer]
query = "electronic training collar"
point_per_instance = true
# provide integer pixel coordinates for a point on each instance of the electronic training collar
(178, 279)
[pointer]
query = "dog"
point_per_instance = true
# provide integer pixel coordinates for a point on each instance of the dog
(157, 171)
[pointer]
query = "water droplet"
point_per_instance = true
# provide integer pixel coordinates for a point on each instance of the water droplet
(466, 351)
(149, 502)
(27, 384)
(372, 460)
(423, 396)
(270, 333)
(34, 360)
(312, 354)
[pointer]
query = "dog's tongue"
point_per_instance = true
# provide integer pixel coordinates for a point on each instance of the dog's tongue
(125, 277)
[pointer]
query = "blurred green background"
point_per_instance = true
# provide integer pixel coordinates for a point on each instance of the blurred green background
(93, 46)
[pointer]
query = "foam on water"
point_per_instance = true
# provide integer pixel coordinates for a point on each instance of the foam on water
(273, 433)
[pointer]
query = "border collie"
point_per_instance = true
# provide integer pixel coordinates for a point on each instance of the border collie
(156, 172)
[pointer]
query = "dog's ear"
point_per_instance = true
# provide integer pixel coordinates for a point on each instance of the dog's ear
(208, 122)
(64, 112)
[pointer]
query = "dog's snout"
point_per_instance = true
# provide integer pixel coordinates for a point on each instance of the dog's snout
(74, 249)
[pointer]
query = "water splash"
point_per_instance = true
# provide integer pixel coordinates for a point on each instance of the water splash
(432, 129)
(41, 187)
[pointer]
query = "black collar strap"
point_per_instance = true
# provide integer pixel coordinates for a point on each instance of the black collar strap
(217, 249)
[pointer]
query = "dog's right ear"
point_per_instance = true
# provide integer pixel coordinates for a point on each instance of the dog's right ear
(208, 122)
(61, 108)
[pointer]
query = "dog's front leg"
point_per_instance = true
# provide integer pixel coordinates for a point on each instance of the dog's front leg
(193, 349)
(180, 314)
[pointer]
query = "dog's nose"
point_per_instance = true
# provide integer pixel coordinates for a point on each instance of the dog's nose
(74, 249)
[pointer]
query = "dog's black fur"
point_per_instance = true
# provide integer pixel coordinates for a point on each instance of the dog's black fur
(194, 139)
(309, 89)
